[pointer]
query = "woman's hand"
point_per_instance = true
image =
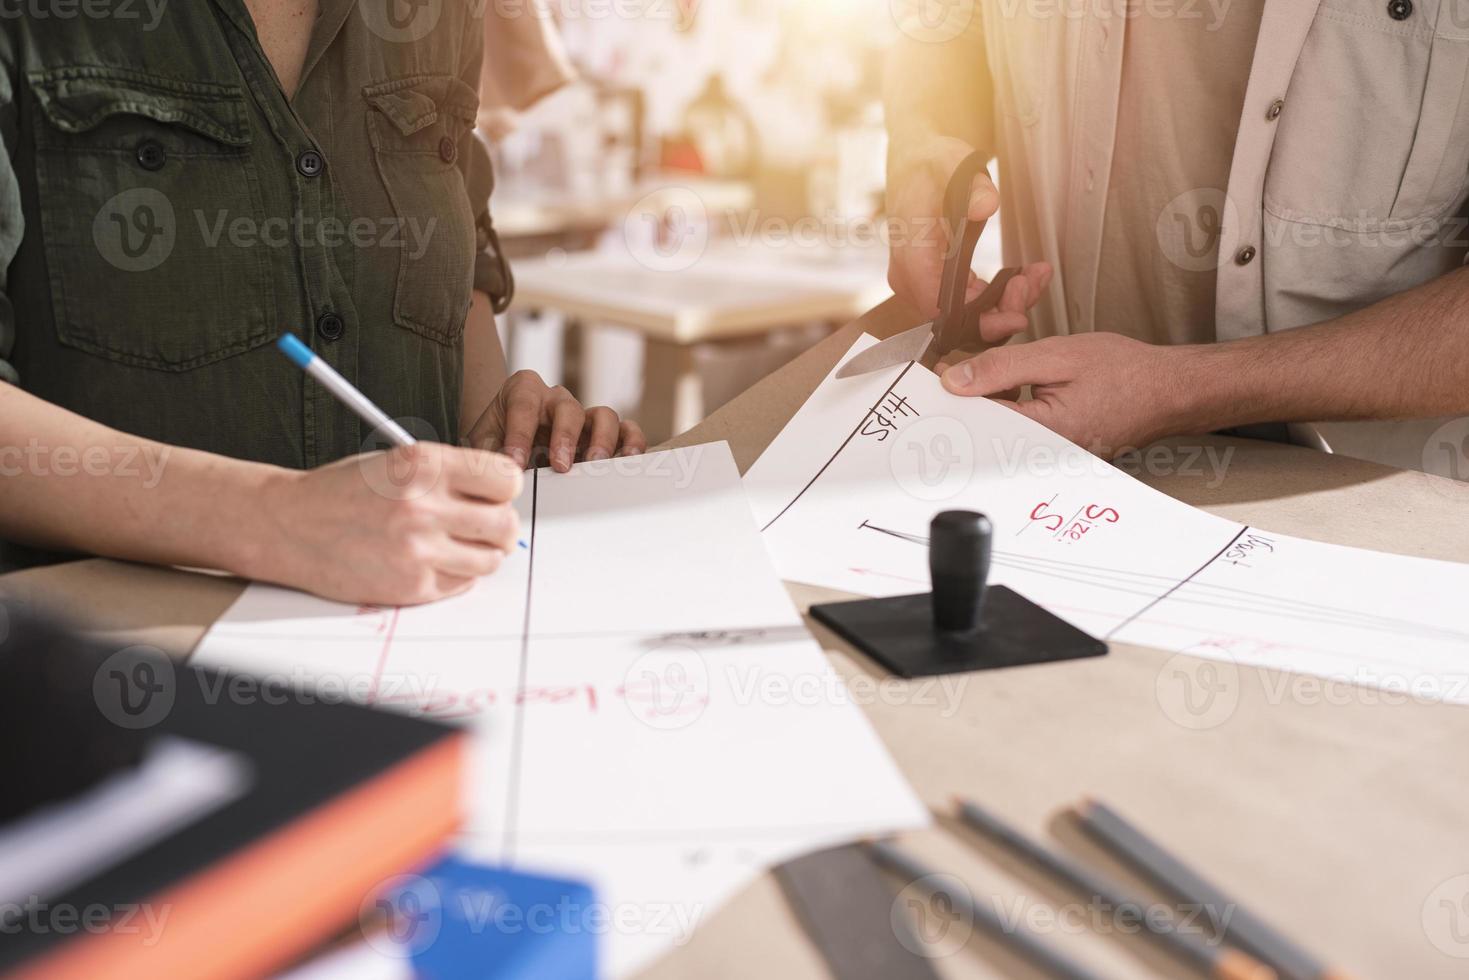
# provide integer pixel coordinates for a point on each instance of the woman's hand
(529, 421)
(406, 526)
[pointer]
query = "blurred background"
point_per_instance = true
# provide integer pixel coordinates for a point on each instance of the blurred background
(701, 203)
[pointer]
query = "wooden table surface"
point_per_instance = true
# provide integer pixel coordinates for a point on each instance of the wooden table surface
(729, 292)
(1336, 812)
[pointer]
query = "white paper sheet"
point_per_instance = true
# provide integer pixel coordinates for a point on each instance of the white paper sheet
(845, 494)
(654, 716)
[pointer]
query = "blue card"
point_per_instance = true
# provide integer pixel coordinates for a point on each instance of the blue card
(458, 920)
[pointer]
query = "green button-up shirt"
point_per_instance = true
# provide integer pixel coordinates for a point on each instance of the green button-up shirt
(166, 212)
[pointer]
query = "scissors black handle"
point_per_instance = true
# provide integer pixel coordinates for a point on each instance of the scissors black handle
(958, 323)
(963, 237)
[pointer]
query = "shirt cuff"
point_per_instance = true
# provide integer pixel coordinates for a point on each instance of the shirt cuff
(492, 274)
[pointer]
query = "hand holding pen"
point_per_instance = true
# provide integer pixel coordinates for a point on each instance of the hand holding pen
(416, 523)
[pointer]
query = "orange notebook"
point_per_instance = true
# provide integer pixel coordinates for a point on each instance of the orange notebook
(340, 798)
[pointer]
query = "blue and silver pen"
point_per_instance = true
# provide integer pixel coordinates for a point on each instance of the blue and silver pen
(343, 390)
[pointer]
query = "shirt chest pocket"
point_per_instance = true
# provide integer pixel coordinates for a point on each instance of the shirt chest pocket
(418, 127)
(134, 173)
(1376, 127)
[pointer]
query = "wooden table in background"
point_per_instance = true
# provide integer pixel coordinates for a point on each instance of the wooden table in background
(1337, 814)
(729, 294)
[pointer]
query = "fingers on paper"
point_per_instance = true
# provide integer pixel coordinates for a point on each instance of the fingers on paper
(1004, 368)
(566, 418)
(601, 433)
(523, 404)
(633, 442)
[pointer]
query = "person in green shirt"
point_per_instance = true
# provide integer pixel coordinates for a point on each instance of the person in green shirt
(183, 182)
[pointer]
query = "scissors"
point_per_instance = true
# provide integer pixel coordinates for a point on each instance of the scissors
(956, 323)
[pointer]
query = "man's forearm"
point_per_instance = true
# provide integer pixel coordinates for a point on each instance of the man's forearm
(1405, 357)
(69, 483)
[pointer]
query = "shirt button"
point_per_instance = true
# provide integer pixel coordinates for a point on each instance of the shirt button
(448, 150)
(151, 155)
(1400, 9)
(330, 326)
(310, 164)
(1273, 113)
(1245, 255)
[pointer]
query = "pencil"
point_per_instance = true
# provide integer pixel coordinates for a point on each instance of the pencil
(1025, 943)
(1215, 960)
(1241, 927)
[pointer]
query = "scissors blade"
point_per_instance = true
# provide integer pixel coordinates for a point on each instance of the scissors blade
(897, 349)
(957, 331)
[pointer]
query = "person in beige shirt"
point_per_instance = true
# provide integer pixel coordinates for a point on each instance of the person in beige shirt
(1233, 213)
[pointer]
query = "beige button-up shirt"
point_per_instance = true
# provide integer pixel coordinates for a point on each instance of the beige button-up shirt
(1350, 168)
(1348, 181)
(1183, 83)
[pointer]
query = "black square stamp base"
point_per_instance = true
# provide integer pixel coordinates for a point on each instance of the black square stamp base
(900, 634)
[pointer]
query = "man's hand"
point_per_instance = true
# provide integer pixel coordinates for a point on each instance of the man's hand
(1105, 392)
(528, 421)
(920, 240)
(411, 525)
